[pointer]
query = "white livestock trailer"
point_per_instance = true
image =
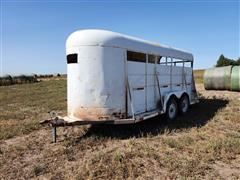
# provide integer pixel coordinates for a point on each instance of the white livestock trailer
(114, 78)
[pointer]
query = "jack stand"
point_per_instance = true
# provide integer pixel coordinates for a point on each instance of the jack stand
(54, 134)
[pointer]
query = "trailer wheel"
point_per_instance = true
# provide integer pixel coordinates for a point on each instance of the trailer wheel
(183, 104)
(172, 109)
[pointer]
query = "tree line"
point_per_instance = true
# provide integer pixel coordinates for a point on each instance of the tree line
(223, 61)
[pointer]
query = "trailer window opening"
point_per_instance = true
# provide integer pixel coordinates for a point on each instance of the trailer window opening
(136, 56)
(72, 58)
(152, 58)
(164, 61)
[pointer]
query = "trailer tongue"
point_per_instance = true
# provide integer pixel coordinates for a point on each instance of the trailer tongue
(59, 121)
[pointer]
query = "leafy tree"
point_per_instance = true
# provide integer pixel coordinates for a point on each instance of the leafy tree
(223, 61)
(238, 61)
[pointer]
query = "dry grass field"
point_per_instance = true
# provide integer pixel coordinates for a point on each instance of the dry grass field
(198, 75)
(204, 144)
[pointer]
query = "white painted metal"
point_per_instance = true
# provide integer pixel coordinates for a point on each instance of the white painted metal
(136, 79)
(96, 37)
(95, 84)
(98, 82)
(152, 88)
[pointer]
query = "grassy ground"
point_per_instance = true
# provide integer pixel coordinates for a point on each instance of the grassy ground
(203, 144)
(22, 106)
(198, 75)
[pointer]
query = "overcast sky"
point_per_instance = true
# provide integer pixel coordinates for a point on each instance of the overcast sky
(33, 33)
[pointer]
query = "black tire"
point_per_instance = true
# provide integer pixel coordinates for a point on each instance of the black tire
(183, 104)
(172, 109)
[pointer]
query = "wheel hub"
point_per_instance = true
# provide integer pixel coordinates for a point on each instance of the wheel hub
(172, 111)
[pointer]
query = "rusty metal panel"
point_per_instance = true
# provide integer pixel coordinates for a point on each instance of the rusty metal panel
(96, 83)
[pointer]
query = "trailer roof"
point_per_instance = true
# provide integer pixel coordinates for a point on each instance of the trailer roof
(97, 37)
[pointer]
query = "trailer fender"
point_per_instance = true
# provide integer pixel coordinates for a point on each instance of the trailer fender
(176, 94)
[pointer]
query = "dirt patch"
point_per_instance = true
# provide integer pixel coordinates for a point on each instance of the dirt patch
(228, 170)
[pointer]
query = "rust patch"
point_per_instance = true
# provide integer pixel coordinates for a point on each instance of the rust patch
(97, 114)
(120, 115)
